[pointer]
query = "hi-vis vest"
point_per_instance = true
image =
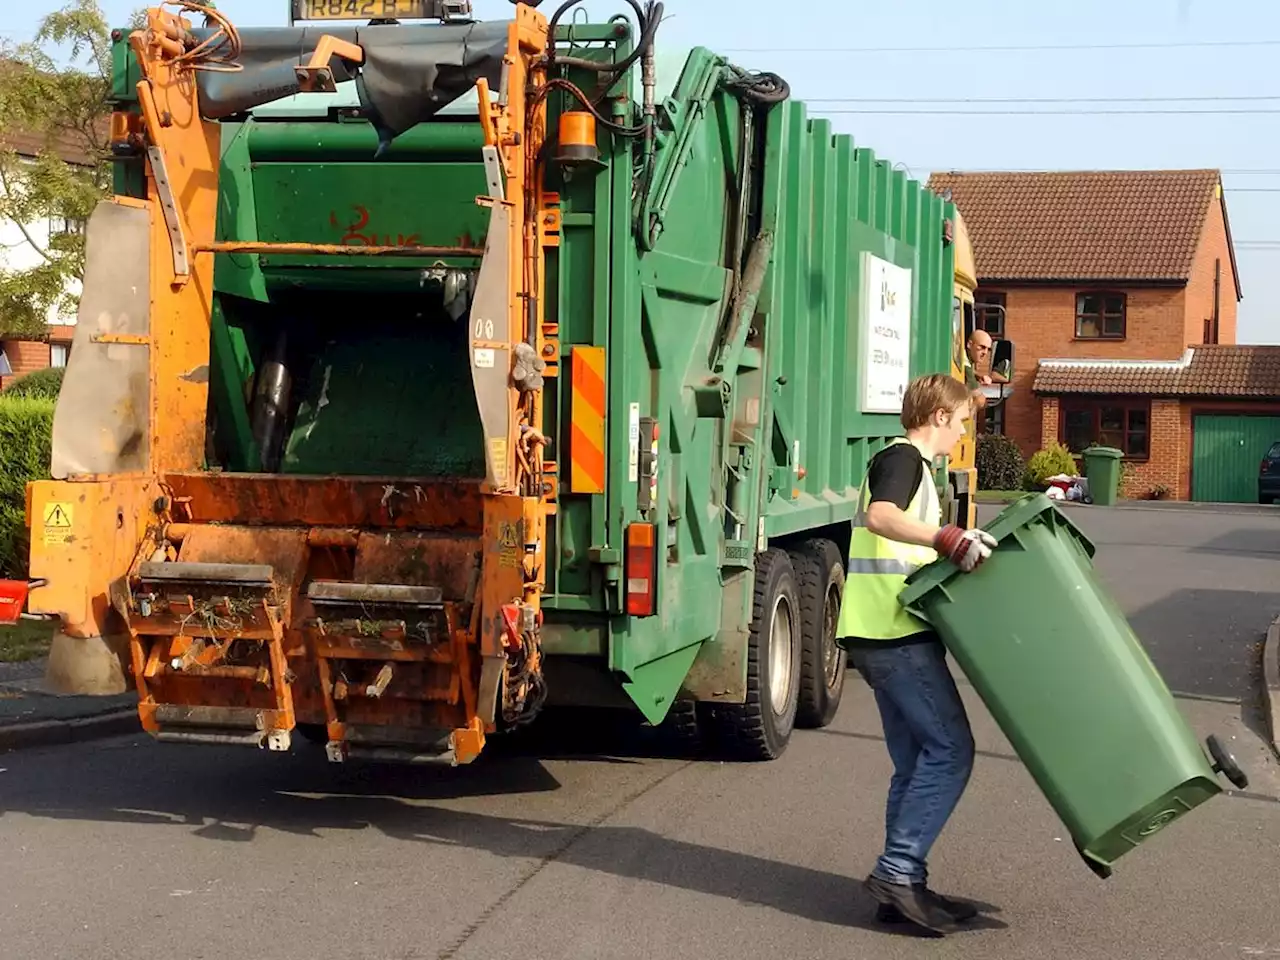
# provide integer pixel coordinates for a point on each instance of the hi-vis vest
(878, 569)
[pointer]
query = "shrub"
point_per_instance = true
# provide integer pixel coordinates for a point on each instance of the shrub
(1000, 464)
(26, 434)
(41, 385)
(1049, 462)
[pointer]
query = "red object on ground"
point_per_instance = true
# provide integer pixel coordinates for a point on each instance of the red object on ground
(13, 597)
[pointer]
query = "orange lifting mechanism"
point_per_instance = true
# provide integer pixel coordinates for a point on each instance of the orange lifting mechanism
(253, 603)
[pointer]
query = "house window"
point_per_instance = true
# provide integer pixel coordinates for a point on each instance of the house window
(1123, 424)
(58, 353)
(1100, 316)
(990, 311)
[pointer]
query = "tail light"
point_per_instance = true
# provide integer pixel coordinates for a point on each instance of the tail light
(13, 597)
(642, 571)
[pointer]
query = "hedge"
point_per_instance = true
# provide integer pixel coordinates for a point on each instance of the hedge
(999, 462)
(26, 436)
(43, 384)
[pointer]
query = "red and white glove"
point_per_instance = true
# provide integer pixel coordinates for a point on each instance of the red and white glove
(965, 548)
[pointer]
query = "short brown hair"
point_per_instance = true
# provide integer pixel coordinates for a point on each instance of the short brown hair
(927, 395)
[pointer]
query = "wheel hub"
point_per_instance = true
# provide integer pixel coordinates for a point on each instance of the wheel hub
(781, 655)
(832, 655)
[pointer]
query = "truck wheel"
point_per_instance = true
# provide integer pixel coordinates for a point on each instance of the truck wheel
(761, 728)
(822, 669)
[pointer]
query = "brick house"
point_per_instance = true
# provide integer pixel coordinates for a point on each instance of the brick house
(20, 355)
(1120, 291)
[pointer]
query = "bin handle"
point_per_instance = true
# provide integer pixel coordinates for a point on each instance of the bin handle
(1225, 764)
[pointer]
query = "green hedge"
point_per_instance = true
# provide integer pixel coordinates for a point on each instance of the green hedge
(43, 384)
(26, 435)
(999, 462)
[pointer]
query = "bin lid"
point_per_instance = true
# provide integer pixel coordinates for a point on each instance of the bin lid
(1016, 515)
(1107, 453)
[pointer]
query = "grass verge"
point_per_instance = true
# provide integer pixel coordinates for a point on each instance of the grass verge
(29, 640)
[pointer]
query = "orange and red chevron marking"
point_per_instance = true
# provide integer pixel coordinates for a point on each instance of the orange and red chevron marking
(587, 408)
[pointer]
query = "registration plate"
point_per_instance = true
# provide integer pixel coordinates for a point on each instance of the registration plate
(365, 9)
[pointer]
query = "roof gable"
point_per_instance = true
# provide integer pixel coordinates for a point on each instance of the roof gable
(1139, 225)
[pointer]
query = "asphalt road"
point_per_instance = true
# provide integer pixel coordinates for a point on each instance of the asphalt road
(127, 848)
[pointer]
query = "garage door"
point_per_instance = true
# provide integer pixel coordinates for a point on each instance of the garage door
(1226, 452)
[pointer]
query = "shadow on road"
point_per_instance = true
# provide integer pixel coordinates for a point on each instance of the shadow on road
(1208, 643)
(1250, 542)
(232, 796)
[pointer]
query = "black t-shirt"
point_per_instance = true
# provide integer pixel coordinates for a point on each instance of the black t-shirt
(894, 474)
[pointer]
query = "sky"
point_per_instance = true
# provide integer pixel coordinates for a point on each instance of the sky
(994, 85)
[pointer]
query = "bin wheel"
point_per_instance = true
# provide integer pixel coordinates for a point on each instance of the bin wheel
(1225, 764)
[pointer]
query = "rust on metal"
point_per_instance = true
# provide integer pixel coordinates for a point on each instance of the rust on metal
(333, 250)
(371, 503)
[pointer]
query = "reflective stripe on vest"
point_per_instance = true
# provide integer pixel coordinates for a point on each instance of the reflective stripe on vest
(878, 569)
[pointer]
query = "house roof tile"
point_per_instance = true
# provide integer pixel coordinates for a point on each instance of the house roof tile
(1138, 225)
(1204, 371)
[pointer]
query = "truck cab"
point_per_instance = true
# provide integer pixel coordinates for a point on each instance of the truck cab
(959, 505)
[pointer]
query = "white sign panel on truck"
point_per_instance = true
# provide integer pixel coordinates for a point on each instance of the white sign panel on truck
(885, 353)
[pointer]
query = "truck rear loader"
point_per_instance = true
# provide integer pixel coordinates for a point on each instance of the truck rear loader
(510, 384)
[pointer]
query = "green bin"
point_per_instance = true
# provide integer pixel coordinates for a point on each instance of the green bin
(1102, 468)
(1073, 690)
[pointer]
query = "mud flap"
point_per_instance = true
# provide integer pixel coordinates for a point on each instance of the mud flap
(653, 686)
(89, 666)
(100, 425)
(490, 344)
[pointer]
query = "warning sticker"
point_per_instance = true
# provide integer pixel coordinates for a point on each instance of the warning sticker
(59, 522)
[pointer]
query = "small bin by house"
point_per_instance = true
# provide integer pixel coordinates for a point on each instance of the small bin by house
(1102, 469)
(1069, 684)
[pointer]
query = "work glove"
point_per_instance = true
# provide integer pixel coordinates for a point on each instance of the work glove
(965, 548)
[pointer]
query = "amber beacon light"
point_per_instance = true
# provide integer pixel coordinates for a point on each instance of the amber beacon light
(578, 139)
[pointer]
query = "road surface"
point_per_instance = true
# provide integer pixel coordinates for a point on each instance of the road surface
(127, 848)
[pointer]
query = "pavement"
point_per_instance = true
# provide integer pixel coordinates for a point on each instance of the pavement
(32, 715)
(583, 844)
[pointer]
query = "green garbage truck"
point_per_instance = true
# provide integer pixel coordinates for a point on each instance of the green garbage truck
(431, 371)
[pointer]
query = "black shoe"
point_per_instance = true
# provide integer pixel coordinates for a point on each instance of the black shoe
(960, 912)
(914, 903)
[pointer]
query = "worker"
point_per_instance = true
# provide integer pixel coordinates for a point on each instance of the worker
(926, 728)
(977, 354)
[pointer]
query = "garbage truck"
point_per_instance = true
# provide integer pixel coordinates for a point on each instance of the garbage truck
(506, 383)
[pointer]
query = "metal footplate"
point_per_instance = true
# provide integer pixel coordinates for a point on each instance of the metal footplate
(193, 624)
(395, 641)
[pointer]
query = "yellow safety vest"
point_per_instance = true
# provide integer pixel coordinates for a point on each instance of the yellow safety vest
(878, 569)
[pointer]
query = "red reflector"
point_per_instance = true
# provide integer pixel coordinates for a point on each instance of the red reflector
(642, 572)
(13, 597)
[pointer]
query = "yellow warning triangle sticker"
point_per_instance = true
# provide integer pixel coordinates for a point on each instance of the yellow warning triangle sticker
(56, 516)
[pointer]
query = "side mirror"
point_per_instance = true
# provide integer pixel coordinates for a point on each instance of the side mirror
(1002, 359)
(1001, 365)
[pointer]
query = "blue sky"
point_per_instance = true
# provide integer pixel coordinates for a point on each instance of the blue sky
(841, 55)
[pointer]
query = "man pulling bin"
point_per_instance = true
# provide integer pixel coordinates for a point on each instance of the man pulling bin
(897, 531)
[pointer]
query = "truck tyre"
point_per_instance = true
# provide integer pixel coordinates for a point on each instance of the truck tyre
(820, 575)
(681, 730)
(761, 728)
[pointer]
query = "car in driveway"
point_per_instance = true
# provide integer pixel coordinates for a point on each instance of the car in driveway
(1269, 475)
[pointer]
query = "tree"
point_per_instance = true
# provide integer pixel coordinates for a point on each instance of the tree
(63, 111)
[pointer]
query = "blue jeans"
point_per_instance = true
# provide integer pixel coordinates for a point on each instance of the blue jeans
(929, 740)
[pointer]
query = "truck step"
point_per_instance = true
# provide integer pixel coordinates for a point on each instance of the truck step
(210, 623)
(220, 726)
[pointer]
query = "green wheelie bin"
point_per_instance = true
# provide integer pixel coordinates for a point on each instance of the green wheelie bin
(1102, 468)
(1073, 690)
